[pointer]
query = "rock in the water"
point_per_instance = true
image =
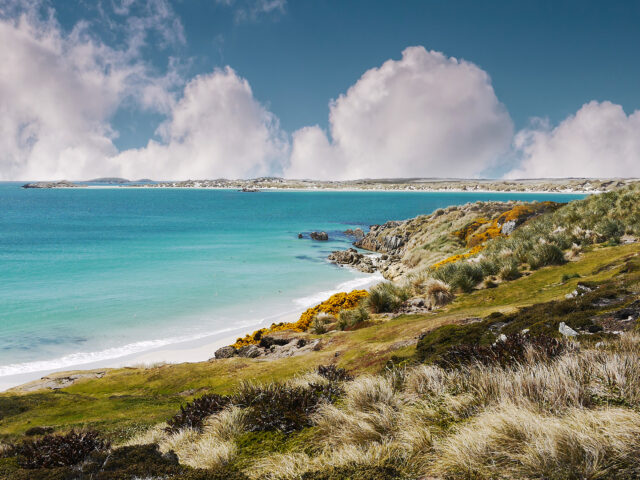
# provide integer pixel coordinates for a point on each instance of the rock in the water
(226, 352)
(299, 235)
(249, 351)
(353, 258)
(321, 236)
(566, 330)
(358, 233)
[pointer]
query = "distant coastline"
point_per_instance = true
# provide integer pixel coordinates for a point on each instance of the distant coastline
(565, 185)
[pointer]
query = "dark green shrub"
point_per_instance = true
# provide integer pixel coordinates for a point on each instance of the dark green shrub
(279, 406)
(59, 450)
(193, 414)
(333, 373)
(610, 230)
(355, 472)
(504, 353)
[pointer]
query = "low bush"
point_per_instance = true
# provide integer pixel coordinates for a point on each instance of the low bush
(350, 318)
(283, 407)
(333, 373)
(59, 450)
(355, 472)
(513, 349)
(193, 414)
(386, 297)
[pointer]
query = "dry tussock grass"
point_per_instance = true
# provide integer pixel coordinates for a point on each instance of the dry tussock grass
(438, 293)
(513, 441)
(211, 448)
(538, 419)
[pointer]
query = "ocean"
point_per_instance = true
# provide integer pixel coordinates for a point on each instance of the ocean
(95, 274)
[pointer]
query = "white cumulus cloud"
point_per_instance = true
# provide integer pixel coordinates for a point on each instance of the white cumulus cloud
(600, 140)
(218, 129)
(423, 115)
(58, 91)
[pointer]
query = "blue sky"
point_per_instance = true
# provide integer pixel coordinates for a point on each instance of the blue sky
(545, 62)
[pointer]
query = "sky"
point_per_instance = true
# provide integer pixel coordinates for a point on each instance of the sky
(177, 89)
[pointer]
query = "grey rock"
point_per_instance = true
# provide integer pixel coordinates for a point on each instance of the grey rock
(566, 330)
(226, 352)
(249, 351)
(508, 227)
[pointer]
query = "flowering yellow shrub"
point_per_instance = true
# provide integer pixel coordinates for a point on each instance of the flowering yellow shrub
(461, 256)
(491, 229)
(333, 305)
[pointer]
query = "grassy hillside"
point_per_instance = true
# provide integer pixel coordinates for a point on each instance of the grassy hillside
(437, 394)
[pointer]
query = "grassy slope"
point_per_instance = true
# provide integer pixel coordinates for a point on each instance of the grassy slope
(129, 399)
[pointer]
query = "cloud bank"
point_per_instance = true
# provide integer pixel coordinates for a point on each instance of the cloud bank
(423, 115)
(600, 140)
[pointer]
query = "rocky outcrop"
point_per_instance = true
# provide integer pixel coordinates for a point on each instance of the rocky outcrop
(353, 259)
(384, 238)
(320, 236)
(280, 345)
(250, 351)
(226, 352)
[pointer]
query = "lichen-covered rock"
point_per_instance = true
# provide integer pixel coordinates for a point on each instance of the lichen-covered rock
(250, 351)
(226, 352)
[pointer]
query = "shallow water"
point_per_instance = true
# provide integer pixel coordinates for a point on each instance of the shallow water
(91, 274)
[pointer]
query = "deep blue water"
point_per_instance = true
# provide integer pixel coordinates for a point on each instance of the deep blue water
(88, 274)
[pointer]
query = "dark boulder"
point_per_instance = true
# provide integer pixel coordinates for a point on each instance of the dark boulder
(321, 236)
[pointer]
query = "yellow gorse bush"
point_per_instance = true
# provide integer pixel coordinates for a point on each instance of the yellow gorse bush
(333, 305)
(475, 234)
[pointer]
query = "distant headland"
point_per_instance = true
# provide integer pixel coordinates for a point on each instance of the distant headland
(551, 185)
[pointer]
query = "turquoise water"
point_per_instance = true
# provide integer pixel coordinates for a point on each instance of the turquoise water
(93, 274)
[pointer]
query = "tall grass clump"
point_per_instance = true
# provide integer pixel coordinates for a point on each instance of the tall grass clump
(350, 318)
(509, 269)
(438, 293)
(518, 442)
(386, 297)
(462, 276)
(545, 254)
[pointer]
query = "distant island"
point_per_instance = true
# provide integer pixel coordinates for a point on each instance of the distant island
(551, 185)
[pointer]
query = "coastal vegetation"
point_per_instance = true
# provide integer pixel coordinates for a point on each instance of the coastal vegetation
(523, 362)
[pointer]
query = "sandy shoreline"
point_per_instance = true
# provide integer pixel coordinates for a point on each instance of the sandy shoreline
(195, 350)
